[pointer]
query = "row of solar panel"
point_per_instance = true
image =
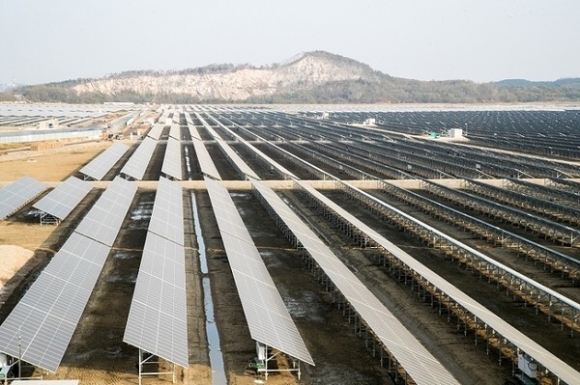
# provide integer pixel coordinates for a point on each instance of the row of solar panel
(39, 328)
(43, 322)
(239, 164)
(405, 347)
(394, 338)
(99, 227)
(172, 166)
(235, 231)
(18, 194)
(267, 317)
(165, 240)
(240, 248)
(562, 369)
(136, 165)
(59, 202)
(157, 321)
(166, 232)
(526, 344)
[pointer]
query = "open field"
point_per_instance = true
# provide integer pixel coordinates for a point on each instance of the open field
(307, 148)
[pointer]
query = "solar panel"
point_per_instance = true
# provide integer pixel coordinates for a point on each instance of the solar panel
(105, 218)
(550, 361)
(172, 160)
(64, 198)
(157, 320)
(175, 131)
(156, 131)
(417, 361)
(188, 117)
(167, 214)
(242, 166)
(137, 164)
(266, 314)
(100, 166)
(193, 131)
(205, 161)
(18, 194)
(41, 325)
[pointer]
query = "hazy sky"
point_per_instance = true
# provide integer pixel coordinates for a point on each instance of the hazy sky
(481, 40)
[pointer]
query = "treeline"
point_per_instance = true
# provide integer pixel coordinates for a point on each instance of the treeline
(378, 88)
(394, 90)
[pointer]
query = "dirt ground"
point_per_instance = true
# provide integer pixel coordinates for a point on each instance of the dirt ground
(97, 354)
(49, 165)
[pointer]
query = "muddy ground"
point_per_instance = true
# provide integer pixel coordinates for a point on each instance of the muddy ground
(97, 354)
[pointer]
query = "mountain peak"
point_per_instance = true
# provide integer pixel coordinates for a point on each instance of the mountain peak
(325, 56)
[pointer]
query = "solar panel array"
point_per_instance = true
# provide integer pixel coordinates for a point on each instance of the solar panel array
(205, 161)
(417, 361)
(156, 131)
(137, 164)
(240, 165)
(252, 148)
(40, 327)
(100, 166)
(551, 362)
(105, 218)
(64, 198)
(267, 317)
(157, 320)
(17, 194)
(172, 160)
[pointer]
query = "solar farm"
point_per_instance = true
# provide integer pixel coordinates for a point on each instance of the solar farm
(345, 245)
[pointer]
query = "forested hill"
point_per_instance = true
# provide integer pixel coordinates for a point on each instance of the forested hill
(314, 77)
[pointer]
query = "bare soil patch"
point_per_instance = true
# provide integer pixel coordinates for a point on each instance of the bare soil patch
(49, 165)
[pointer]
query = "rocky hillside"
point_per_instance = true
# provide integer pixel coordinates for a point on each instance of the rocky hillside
(238, 83)
(314, 77)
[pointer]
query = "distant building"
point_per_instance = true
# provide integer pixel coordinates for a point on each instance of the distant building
(91, 133)
(455, 133)
(48, 124)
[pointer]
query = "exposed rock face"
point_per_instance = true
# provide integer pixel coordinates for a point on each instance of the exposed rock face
(303, 72)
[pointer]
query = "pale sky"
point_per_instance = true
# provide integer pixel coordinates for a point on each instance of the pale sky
(481, 40)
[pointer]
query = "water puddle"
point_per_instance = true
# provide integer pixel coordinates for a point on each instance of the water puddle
(125, 255)
(141, 215)
(187, 162)
(245, 196)
(216, 358)
(115, 277)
